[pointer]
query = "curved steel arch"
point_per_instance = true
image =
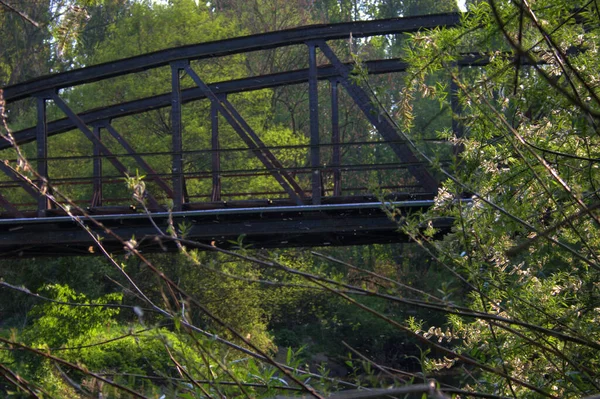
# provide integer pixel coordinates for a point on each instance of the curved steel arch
(225, 47)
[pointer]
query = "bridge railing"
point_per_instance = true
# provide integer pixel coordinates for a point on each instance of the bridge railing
(343, 180)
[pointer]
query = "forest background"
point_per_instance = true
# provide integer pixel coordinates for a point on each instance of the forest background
(507, 305)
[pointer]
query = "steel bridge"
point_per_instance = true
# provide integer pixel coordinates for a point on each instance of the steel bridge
(321, 194)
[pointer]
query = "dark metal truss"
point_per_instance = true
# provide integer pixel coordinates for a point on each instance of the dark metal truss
(276, 229)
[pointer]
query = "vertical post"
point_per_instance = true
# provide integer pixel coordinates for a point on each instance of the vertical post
(216, 155)
(335, 140)
(177, 142)
(313, 99)
(457, 128)
(97, 168)
(42, 153)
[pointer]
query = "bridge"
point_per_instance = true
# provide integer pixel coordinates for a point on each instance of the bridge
(321, 194)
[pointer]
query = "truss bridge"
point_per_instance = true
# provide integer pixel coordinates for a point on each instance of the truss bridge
(198, 158)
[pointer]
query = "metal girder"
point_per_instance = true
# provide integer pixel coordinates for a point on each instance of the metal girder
(228, 47)
(313, 105)
(251, 139)
(27, 186)
(176, 139)
(42, 151)
(97, 168)
(215, 155)
(336, 158)
(384, 126)
(287, 226)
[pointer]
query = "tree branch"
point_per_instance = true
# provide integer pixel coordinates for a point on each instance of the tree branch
(25, 17)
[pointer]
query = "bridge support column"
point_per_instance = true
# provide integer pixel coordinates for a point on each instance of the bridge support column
(313, 100)
(42, 154)
(177, 142)
(216, 154)
(97, 168)
(335, 140)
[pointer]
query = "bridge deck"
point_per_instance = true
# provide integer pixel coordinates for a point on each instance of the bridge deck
(267, 226)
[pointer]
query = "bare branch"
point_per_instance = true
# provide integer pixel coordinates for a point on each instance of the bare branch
(25, 17)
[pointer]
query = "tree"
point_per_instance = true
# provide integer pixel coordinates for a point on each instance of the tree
(526, 245)
(39, 36)
(23, 54)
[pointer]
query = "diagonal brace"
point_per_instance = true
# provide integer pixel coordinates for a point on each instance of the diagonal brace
(92, 137)
(251, 139)
(385, 127)
(22, 181)
(6, 204)
(263, 149)
(143, 164)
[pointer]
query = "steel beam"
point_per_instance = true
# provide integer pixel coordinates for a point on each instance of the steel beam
(26, 185)
(97, 168)
(336, 158)
(286, 226)
(265, 151)
(176, 139)
(42, 154)
(313, 104)
(384, 126)
(152, 174)
(216, 154)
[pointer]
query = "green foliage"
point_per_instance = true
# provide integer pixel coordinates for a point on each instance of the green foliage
(221, 285)
(89, 276)
(95, 339)
(57, 323)
(525, 245)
